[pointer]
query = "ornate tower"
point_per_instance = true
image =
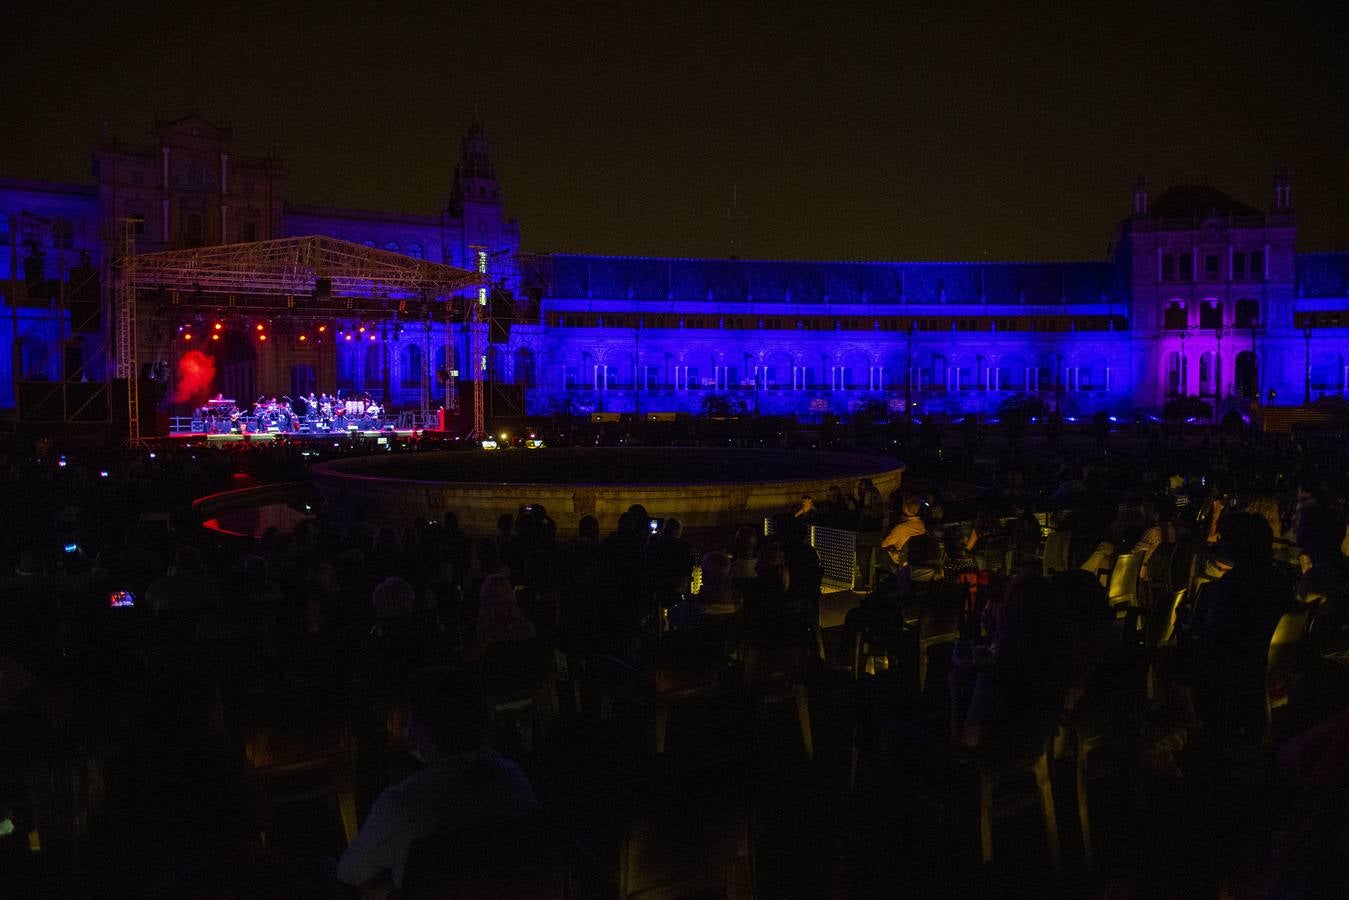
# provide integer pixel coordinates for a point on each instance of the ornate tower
(475, 178)
(476, 215)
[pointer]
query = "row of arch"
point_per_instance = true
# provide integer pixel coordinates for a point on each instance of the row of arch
(414, 250)
(846, 370)
(1178, 315)
(1213, 380)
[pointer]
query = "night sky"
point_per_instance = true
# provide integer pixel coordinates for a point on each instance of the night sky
(853, 131)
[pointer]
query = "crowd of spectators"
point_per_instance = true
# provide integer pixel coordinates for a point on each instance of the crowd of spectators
(153, 663)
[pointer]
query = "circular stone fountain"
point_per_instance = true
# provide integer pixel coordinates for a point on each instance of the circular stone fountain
(706, 488)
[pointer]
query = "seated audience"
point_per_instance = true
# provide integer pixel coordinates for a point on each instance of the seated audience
(463, 784)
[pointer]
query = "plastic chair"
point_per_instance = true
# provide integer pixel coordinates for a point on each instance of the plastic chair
(1056, 551)
(773, 673)
(1285, 650)
(686, 665)
(991, 775)
(299, 754)
(522, 857)
(1122, 584)
(884, 661)
(688, 848)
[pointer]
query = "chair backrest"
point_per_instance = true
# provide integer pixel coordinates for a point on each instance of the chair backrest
(691, 848)
(1123, 586)
(1288, 634)
(1056, 551)
(522, 857)
(1162, 624)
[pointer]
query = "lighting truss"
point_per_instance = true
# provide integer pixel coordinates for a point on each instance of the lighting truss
(311, 269)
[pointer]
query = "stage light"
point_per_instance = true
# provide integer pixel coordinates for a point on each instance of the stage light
(372, 337)
(262, 337)
(215, 337)
(348, 337)
(188, 336)
(303, 338)
(219, 326)
(361, 329)
(259, 326)
(322, 328)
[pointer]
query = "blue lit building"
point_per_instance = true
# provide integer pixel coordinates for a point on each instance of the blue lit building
(1200, 295)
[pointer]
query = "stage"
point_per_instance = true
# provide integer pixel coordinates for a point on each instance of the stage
(351, 438)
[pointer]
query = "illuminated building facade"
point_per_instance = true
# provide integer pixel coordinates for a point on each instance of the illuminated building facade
(1200, 295)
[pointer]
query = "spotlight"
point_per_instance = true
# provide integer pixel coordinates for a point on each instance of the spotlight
(361, 329)
(322, 328)
(348, 337)
(372, 337)
(219, 325)
(262, 337)
(215, 337)
(187, 336)
(259, 326)
(303, 338)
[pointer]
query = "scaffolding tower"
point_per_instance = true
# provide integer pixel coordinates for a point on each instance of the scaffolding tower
(125, 302)
(477, 328)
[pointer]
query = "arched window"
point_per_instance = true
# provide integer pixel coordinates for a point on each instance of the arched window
(392, 245)
(194, 228)
(415, 251)
(1010, 374)
(346, 366)
(1184, 266)
(1168, 267)
(1210, 314)
(1247, 374)
(1209, 375)
(1174, 318)
(1248, 313)
(1328, 372)
(34, 352)
(373, 374)
(524, 367)
(1257, 265)
(411, 374)
(1175, 374)
(1239, 266)
(776, 370)
(368, 243)
(1046, 373)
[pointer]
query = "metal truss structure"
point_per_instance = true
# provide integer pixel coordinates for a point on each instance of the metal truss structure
(124, 298)
(311, 277)
(79, 395)
(317, 272)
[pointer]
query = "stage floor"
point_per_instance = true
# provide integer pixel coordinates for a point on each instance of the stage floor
(266, 436)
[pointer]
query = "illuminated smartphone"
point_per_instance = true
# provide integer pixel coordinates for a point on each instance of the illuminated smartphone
(117, 599)
(655, 525)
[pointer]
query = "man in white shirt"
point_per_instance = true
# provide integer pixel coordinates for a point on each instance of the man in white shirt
(465, 783)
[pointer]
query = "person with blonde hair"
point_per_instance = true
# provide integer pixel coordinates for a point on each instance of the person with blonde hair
(500, 619)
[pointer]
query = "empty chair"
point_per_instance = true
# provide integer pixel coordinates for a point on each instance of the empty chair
(1056, 551)
(699, 847)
